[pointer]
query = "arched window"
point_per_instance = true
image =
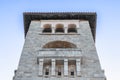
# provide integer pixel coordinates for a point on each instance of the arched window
(47, 28)
(59, 44)
(72, 28)
(59, 28)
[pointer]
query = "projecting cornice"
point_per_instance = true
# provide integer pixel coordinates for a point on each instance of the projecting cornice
(90, 16)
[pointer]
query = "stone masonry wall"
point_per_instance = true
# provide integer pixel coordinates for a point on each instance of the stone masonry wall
(35, 40)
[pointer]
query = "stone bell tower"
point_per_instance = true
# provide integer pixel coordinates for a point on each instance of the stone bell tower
(59, 46)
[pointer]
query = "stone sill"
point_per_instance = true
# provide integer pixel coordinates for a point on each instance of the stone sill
(59, 34)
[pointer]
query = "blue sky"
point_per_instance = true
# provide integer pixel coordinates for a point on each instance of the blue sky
(107, 34)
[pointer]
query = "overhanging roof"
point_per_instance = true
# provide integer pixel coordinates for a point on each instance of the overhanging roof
(90, 16)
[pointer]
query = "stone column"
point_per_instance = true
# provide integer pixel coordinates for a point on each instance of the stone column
(53, 28)
(53, 67)
(65, 67)
(78, 67)
(40, 67)
(66, 29)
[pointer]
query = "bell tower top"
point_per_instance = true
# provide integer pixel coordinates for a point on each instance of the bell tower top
(91, 17)
(59, 46)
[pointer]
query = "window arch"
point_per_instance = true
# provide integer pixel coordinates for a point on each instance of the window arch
(59, 28)
(47, 28)
(59, 44)
(72, 28)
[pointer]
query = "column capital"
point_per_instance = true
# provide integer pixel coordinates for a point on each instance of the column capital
(53, 60)
(65, 60)
(40, 60)
(78, 60)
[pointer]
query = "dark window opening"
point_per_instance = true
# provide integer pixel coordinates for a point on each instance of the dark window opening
(72, 30)
(46, 73)
(47, 30)
(60, 30)
(72, 73)
(59, 73)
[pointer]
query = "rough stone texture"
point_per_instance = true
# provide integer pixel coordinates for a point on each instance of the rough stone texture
(28, 68)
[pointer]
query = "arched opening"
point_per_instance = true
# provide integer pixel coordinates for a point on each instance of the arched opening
(47, 28)
(72, 28)
(59, 44)
(59, 28)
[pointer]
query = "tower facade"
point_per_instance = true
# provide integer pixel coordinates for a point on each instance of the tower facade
(59, 46)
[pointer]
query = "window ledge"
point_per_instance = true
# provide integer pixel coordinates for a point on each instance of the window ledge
(59, 34)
